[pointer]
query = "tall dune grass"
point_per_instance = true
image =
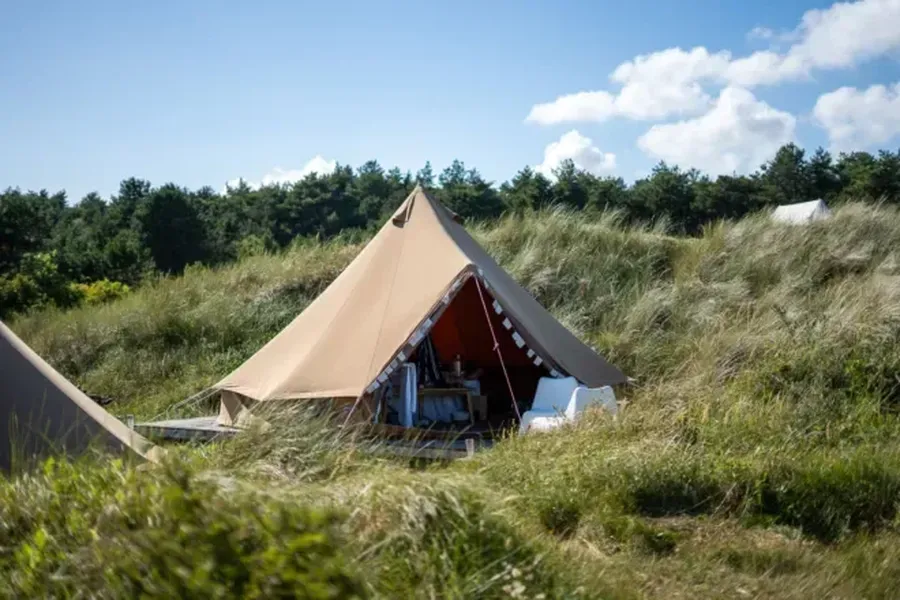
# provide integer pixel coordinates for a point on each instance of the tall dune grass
(756, 455)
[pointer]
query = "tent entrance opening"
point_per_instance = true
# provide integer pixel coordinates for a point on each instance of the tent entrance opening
(459, 378)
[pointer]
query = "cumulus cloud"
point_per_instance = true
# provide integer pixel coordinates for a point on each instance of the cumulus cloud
(738, 134)
(582, 106)
(278, 175)
(857, 119)
(838, 37)
(580, 150)
(847, 33)
(667, 82)
(671, 81)
(653, 86)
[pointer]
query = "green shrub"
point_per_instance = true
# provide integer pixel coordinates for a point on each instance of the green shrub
(124, 534)
(254, 245)
(36, 283)
(98, 292)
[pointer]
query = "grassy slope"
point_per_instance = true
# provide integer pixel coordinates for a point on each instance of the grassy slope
(758, 454)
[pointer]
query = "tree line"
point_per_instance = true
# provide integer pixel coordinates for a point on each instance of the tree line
(56, 253)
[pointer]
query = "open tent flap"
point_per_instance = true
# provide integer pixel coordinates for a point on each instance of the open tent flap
(458, 327)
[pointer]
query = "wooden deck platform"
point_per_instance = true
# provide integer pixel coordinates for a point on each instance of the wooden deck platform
(433, 449)
(205, 429)
(201, 429)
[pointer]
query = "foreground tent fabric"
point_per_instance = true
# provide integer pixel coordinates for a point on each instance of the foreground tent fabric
(802, 212)
(41, 412)
(369, 319)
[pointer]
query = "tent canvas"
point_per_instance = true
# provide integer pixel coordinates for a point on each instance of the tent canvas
(41, 412)
(372, 317)
(802, 212)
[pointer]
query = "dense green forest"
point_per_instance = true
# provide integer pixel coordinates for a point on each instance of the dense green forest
(53, 252)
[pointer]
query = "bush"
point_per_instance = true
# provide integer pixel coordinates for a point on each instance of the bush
(255, 245)
(125, 534)
(101, 291)
(36, 283)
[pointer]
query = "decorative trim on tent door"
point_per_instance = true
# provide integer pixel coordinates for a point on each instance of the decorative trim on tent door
(519, 340)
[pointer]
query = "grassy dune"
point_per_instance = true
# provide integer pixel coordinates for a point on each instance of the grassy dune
(758, 454)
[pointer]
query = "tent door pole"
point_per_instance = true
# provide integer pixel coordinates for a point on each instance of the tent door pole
(353, 409)
(487, 316)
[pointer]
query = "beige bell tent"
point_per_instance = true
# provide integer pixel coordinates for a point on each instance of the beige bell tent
(421, 276)
(41, 412)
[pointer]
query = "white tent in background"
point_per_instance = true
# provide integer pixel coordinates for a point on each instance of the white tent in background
(802, 212)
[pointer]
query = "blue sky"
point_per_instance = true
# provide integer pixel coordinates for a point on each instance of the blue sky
(201, 93)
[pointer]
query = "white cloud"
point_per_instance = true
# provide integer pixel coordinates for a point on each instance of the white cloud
(761, 68)
(667, 82)
(317, 164)
(582, 106)
(761, 33)
(580, 150)
(653, 86)
(737, 135)
(857, 119)
(847, 33)
(839, 37)
(671, 81)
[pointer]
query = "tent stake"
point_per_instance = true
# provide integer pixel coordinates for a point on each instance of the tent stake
(487, 316)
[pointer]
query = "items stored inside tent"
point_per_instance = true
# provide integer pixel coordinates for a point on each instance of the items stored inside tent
(485, 369)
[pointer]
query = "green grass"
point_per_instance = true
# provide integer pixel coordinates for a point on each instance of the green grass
(758, 454)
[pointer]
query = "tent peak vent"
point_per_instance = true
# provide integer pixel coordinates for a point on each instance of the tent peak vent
(403, 215)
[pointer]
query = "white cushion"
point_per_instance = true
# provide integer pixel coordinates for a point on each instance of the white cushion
(583, 397)
(553, 395)
(539, 421)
